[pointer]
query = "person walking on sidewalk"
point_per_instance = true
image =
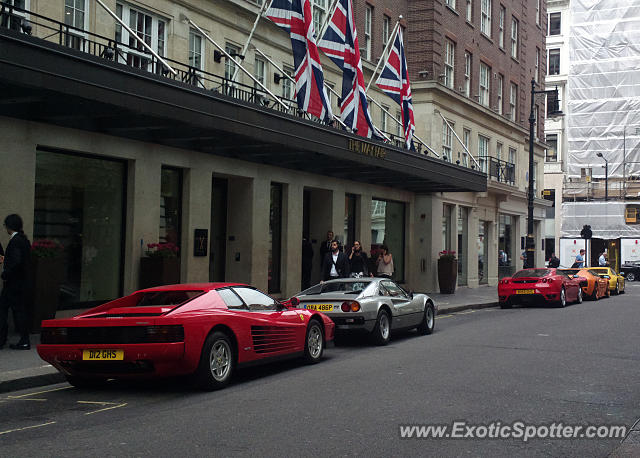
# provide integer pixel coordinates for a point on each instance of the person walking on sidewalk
(15, 278)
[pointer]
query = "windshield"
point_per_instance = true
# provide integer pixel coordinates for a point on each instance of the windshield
(532, 273)
(347, 287)
(164, 298)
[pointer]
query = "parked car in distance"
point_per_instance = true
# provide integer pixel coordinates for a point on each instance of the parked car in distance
(529, 286)
(372, 305)
(596, 288)
(205, 329)
(616, 281)
(631, 271)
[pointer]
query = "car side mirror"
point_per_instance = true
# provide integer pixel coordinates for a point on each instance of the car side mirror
(292, 303)
(411, 294)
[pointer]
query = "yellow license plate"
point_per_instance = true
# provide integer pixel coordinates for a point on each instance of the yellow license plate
(102, 355)
(320, 307)
(525, 291)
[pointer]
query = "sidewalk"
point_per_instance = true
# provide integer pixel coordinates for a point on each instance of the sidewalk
(22, 369)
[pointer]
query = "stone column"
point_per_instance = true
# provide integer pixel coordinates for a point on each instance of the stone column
(18, 156)
(196, 215)
(143, 215)
(292, 204)
(423, 269)
(472, 244)
(492, 255)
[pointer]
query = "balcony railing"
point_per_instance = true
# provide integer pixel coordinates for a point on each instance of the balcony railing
(135, 55)
(498, 170)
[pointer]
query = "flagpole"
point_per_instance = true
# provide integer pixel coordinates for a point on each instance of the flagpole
(384, 52)
(290, 78)
(456, 135)
(265, 5)
(226, 54)
(400, 124)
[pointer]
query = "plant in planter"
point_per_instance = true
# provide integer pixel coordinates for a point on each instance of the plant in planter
(47, 275)
(162, 250)
(160, 266)
(447, 271)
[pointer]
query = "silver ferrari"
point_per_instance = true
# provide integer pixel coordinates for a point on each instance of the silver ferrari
(373, 305)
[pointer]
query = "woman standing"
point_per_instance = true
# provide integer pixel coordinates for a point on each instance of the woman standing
(358, 261)
(385, 263)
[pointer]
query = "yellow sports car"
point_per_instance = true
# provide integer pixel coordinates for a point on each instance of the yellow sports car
(616, 281)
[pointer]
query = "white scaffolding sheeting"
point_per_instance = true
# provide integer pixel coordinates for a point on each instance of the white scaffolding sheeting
(605, 218)
(603, 87)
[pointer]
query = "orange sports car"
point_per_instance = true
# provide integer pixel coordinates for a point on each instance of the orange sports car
(597, 286)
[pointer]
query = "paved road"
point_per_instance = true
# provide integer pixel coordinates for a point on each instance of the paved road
(539, 365)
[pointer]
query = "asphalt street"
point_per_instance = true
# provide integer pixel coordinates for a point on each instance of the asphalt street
(539, 365)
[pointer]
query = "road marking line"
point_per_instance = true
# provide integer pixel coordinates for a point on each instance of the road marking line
(465, 313)
(443, 316)
(26, 427)
(39, 392)
(27, 399)
(107, 408)
(102, 403)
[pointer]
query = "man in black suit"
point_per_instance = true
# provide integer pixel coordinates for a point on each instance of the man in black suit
(15, 277)
(325, 247)
(335, 264)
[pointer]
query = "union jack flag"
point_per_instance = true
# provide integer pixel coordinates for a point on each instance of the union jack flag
(394, 81)
(295, 17)
(340, 44)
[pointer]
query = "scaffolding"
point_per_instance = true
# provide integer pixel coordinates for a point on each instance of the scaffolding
(603, 96)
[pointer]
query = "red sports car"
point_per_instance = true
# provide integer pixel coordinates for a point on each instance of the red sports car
(535, 285)
(203, 329)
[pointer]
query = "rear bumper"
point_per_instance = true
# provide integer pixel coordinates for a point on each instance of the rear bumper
(352, 323)
(140, 360)
(528, 298)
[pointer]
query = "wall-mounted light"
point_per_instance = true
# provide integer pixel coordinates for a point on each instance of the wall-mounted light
(276, 78)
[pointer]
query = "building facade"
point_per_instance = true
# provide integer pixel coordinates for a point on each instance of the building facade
(554, 128)
(112, 152)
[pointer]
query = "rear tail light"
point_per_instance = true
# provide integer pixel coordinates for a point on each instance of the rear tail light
(113, 335)
(157, 334)
(54, 336)
(350, 306)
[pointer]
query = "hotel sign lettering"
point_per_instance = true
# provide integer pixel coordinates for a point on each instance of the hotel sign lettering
(367, 149)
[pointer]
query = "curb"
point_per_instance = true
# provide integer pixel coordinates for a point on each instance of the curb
(460, 308)
(31, 382)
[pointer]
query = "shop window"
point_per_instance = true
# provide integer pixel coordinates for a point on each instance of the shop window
(171, 206)
(388, 228)
(80, 203)
(506, 246)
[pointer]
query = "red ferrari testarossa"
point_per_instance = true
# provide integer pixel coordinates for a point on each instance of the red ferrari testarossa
(205, 329)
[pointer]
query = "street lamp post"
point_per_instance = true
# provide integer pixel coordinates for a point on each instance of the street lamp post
(606, 176)
(531, 241)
